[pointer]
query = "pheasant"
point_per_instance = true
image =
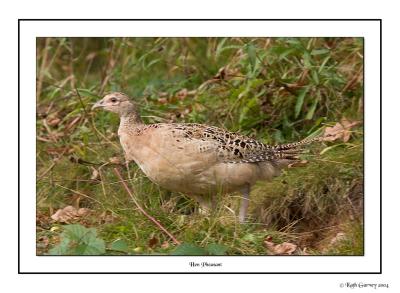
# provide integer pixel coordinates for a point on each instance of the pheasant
(196, 159)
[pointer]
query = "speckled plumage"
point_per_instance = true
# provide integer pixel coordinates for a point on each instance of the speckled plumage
(197, 159)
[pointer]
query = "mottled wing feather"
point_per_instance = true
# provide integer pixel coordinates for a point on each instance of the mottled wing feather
(231, 147)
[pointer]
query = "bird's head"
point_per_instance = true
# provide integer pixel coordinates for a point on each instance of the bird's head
(116, 102)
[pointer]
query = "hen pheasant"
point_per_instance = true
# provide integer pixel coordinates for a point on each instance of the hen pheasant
(196, 159)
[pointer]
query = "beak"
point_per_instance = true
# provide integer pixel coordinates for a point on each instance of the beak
(99, 104)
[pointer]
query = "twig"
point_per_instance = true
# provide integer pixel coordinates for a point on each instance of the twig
(142, 210)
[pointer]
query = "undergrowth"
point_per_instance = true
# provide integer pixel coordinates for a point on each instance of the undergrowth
(275, 89)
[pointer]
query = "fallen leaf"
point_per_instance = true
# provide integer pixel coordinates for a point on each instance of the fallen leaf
(115, 160)
(91, 56)
(341, 130)
(69, 213)
(152, 242)
(43, 241)
(165, 245)
(221, 74)
(285, 248)
(72, 123)
(53, 121)
(182, 94)
(95, 174)
(107, 217)
(42, 220)
(268, 238)
(339, 237)
(163, 101)
(83, 212)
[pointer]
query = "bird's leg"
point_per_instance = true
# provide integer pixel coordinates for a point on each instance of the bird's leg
(205, 205)
(244, 204)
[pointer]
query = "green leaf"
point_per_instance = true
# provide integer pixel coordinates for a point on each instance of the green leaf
(299, 102)
(189, 249)
(79, 240)
(286, 52)
(60, 249)
(220, 48)
(74, 232)
(251, 52)
(249, 237)
(307, 60)
(323, 63)
(315, 76)
(278, 138)
(95, 246)
(216, 249)
(330, 148)
(119, 245)
(152, 62)
(311, 111)
(319, 51)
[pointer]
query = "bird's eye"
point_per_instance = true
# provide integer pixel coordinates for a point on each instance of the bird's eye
(113, 100)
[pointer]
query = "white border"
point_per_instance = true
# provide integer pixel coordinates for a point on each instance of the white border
(30, 30)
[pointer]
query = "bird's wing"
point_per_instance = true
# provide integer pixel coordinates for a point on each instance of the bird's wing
(206, 141)
(230, 147)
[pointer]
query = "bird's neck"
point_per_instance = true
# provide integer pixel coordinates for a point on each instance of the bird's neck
(131, 116)
(130, 119)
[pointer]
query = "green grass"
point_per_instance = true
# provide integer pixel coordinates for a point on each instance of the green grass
(275, 89)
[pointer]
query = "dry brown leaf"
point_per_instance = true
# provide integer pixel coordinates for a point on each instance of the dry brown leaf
(339, 237)
(95, 174)
(341, 130)
(268, 238)
(54, 121)
(182, 94)
(225, 73)
(69, 213)
(221, 74)
(165, 245)
(43, 241)
(72, 123)
(42, 220)
(107, 217)
(91, 56)
(163, 101)
(115, 160)
(284, 248)
(153, 241)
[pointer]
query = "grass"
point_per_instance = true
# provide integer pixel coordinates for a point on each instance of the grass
(275, 89)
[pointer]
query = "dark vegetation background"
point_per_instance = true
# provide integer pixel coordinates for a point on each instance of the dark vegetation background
(275, 89)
